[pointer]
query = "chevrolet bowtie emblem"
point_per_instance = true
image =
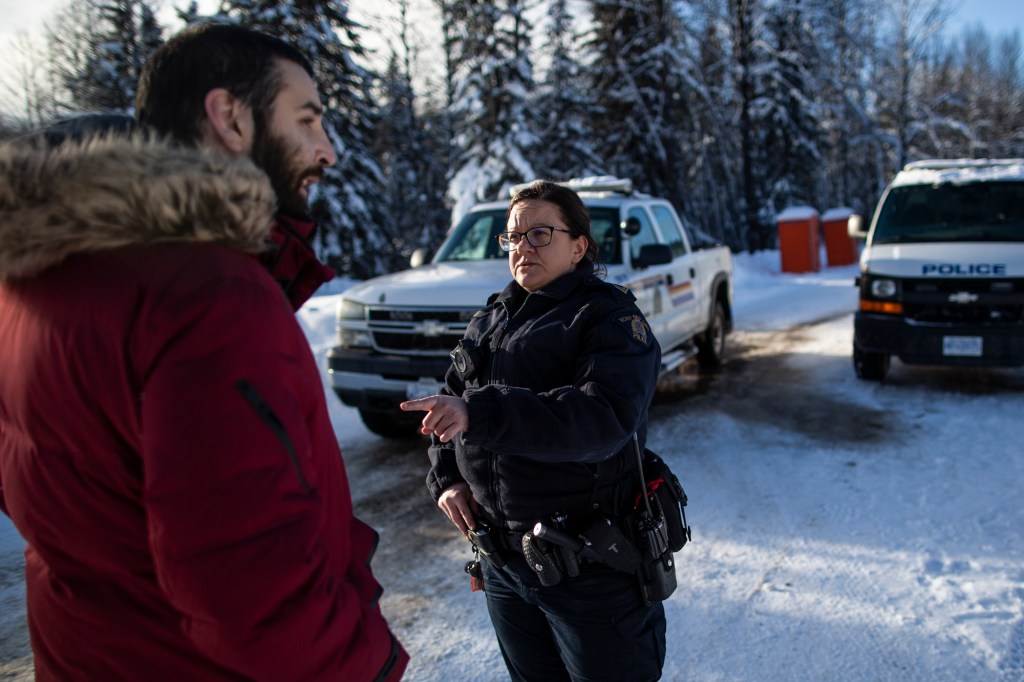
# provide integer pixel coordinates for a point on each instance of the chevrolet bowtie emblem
(963, 297)
(431, 328)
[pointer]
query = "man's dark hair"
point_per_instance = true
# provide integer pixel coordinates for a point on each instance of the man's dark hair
(175, 80)
(574, 212)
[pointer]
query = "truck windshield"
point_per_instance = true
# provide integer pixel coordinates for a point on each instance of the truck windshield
(474, 238)
(977, 212)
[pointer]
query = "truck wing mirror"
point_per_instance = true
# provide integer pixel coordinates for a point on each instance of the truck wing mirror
(653, 254)
(855, 227)
(419, 257)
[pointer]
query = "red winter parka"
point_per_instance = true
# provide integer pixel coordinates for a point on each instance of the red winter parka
(165, 447)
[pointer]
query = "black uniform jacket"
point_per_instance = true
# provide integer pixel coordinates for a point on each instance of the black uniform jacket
(556, 382)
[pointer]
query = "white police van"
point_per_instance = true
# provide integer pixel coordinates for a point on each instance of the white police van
(942, 272)
(395, 332)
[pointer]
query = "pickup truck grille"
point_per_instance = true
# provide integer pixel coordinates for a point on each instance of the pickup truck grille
(417, 331)
(964, 300)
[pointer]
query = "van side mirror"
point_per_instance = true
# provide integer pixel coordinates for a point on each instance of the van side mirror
(653, 254)
(855, 227)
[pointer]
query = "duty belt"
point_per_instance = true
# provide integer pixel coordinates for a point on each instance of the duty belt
(511, 540)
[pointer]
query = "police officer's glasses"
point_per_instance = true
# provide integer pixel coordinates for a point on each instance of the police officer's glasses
(536, 236)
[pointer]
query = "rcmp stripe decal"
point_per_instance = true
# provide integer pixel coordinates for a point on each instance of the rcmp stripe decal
(646, 283)
(681, 293)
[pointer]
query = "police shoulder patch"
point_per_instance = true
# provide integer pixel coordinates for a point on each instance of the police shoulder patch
(620, 291)
(637, 327)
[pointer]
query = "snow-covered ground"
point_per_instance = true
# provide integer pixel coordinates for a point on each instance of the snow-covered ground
(843, 530)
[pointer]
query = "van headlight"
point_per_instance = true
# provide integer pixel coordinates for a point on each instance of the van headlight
(881, 295)
(883, 288)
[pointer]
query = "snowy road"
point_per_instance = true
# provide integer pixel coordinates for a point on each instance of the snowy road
(848, 531)
(842, 530)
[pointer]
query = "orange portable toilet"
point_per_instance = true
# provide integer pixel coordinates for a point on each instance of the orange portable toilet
(798, 239)
(840, 247)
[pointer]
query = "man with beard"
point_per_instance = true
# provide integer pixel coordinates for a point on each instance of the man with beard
(218, 87)
(165, 446)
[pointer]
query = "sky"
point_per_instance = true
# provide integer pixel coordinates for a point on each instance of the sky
(885, 545)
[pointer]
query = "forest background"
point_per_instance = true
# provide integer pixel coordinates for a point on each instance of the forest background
(732, 109)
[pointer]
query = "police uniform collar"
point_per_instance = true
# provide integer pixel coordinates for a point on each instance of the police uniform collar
(558, 289)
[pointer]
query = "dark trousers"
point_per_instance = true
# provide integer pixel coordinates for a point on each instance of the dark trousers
(591, 627)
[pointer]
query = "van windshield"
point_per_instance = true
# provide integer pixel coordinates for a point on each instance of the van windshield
(475, 237)
(976, 212)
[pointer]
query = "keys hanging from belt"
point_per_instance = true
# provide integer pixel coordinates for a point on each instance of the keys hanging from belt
(476, 575)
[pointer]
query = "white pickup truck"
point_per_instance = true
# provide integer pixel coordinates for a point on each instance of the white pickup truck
(395, 332)
(942, 273)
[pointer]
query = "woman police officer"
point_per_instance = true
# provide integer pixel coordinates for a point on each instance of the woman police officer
(535, 424)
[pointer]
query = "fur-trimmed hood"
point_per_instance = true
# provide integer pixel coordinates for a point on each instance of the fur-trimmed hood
(114, 191)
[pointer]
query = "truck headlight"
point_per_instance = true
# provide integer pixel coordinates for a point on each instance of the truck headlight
(350, 310)
(883, 288)
(351, 327)
(353, 338)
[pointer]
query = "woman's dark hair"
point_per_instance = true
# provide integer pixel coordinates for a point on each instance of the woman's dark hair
(570, 206)
(172, 89)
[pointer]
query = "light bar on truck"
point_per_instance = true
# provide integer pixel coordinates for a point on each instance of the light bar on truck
(596, 183)
(600, 183)
(947, 164)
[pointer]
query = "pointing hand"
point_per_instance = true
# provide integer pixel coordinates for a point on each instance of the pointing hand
(446, 415)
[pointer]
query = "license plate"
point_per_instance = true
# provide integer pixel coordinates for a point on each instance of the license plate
(962, 346)
(422, 388)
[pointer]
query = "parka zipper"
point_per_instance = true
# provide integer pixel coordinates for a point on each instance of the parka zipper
(499, 336)
(268, 417)
(492, 465)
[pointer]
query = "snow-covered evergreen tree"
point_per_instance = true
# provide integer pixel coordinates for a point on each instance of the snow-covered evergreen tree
(563, 105)
(27, 86)
(712, 143)
(979, 92)
(1007, 135)
(189, 14)
(353, 232)
(411, 159)
(102, 56)
(495, 136)
(746, 24)
(788, 111)
(637, 77)
(942, 85)
(971, 87)
(730, 108)
(412, 153)
(853, 152)
(904, 117)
